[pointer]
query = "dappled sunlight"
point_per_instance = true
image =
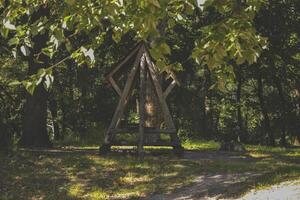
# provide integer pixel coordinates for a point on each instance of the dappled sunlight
(200, 145)
(82, 175)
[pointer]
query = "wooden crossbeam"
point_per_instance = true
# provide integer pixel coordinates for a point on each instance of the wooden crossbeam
(158, 89)
(124, 97)
(115, 86)
(134, 51)
(146, 131)
(145, 66)
(142, 103)
(169, 88)
(162, 100)
(160, 143)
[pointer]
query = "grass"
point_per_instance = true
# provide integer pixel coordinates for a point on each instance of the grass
(86, 175)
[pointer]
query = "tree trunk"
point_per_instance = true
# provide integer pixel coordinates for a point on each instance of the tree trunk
(153, 118)
(53, 110)
(35, 110)
(267, 127)
(4, 139)
(204, 95)
(283, 112)
(240, 128)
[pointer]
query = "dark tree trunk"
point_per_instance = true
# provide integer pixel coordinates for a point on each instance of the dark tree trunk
(202, 116)
(283, 112)
(204, 95)
(35, 110)
(4, 137)
(35, 120)
(53, 110)
(240, 128)
(267, 127)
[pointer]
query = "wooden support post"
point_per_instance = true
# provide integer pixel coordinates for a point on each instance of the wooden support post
(142, 106)
(162, 101)
(124, 98)
(135, 50)
(159, 93)
(115, 85)
(169, 88)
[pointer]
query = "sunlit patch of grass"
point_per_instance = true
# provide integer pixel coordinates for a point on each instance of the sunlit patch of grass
(72, 175)
(96, 193)
(258, 155)
(201, 145)
(76, 190)
(278, 150)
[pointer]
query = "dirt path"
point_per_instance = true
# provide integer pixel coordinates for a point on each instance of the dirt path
(216, 186)
(206, 187)
(289, 190)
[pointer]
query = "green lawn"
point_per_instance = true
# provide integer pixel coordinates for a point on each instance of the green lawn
(82, 174)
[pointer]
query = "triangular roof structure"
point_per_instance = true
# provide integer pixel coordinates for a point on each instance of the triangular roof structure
(141, 64)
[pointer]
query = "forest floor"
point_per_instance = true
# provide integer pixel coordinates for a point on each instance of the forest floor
(203, 173)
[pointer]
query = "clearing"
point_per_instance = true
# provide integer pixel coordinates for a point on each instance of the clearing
(204, 173)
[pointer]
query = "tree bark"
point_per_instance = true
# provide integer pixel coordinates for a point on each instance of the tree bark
(240, 128)
(203, 102)
(283, 112)
(267, 127)
(53, 110)
(4, 139)
(35, 110)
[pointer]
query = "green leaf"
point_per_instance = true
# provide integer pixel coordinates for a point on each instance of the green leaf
(68, 45)
(48, 51)
(13, 41)
(24, 50)
(155, 54)
(90, 54)
(8, 25)
(48, 81)
(29, 86)
(14, 83)
(4, 32)
(165, 49)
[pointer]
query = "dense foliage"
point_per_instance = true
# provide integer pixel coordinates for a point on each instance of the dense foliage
(235, 86)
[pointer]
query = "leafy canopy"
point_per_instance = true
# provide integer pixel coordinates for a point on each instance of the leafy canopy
(231, 38)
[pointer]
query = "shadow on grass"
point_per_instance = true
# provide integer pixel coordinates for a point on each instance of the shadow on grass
(53, 174)
(83, 174)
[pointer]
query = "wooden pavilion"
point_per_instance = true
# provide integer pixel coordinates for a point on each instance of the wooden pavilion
(142, 81)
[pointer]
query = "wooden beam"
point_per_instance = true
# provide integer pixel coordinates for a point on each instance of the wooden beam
(159, 92)
(160, 143)
(115, 86)
(124, 97)
(169, 88)
(146, 131)
(166, 112)
(115, 69)
(142, 104)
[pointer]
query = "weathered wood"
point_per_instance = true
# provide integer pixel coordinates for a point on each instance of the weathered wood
(115, 86)
(159, 143)
(146, 131)
(124, 97)
(142, 103)
(148, 80)
(169, 88)
(126, 59)
(162, 102)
